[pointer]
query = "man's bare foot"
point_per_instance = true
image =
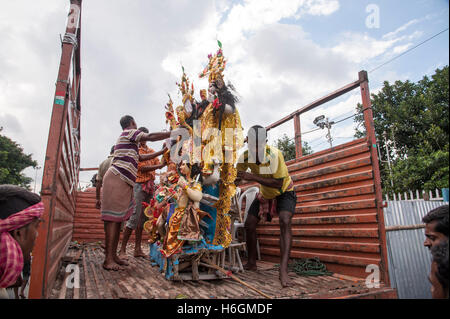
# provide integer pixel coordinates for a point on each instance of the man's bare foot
(140, 253)
(112, 266)
(285, 280)
(120, 261)
(251, 267)
(123, 255)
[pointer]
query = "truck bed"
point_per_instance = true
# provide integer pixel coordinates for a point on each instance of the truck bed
(140, 280)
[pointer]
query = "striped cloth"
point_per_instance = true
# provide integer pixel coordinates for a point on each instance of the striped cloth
(11, 256)
(126, 156)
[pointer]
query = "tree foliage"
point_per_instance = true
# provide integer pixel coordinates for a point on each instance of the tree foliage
(287, 146)
(12, 162)
(412, 122)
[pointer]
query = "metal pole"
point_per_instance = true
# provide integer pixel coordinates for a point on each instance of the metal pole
(328, 136)
(372, 143)
(389, 159)
(298, 137)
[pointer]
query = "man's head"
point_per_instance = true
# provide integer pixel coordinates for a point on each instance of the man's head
(145, 130)
(14, 199)
(439, 271)
(436, 226)
(257, 140)
(94, 180)
(127, 122)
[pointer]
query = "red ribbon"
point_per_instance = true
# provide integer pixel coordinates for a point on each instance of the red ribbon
(216, 104)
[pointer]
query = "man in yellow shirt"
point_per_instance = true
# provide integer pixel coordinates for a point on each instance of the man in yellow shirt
(276, 197)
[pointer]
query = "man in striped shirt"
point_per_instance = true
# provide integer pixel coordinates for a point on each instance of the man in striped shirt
(117, 192)
(143, 192)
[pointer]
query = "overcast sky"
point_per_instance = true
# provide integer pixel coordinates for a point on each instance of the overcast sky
(281, 55)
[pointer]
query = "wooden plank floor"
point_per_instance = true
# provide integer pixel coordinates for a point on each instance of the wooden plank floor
(140, 280)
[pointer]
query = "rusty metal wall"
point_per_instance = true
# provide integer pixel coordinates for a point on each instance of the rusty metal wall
(336, 215)
(87, 225)
(409, 261)
(61, 168)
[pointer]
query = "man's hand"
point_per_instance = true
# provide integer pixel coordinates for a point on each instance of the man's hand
(165, 148)
(98, 204)
(182, 182)
(245, 175)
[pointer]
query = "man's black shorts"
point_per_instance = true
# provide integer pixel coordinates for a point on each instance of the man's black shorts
(285, 201)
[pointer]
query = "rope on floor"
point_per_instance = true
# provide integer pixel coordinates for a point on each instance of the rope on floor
(308, 267)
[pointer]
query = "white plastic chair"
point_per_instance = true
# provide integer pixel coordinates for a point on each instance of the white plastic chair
(249, 195)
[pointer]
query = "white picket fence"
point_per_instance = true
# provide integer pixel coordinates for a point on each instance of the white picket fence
(435, 195)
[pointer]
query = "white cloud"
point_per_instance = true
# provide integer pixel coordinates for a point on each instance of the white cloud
(392, 35)
(359, 47)
(322, 7)
(29, 56)
(402, 48)
(129, 64)
(9, 123)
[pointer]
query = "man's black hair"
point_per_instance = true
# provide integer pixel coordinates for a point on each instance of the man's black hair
(200, 108)
(143, 129)
(14, 198)
(255, 129)
(225, 96)
(440, 215)
(125, 121)
(94, 180)
(112, 150)
(440, 257)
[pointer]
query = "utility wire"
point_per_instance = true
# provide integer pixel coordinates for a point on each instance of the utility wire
(381, 65)
(394, 58)
(316, 129)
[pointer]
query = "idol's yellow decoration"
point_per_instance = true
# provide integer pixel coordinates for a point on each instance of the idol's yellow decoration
(187, 92)
(216, 65)
(223, 146)
(170, 114)
(182, 116)
(149, 225)
(229, 146)
(173, 242)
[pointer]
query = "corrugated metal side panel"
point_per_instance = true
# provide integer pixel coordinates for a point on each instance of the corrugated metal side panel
(59, 199)
(336, 215)
(88, 226)
(409, 261)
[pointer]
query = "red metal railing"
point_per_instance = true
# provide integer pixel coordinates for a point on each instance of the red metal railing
(61, 168)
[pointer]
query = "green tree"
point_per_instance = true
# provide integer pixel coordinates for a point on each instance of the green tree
(287, 146)
(12, 162)
(412, 129)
